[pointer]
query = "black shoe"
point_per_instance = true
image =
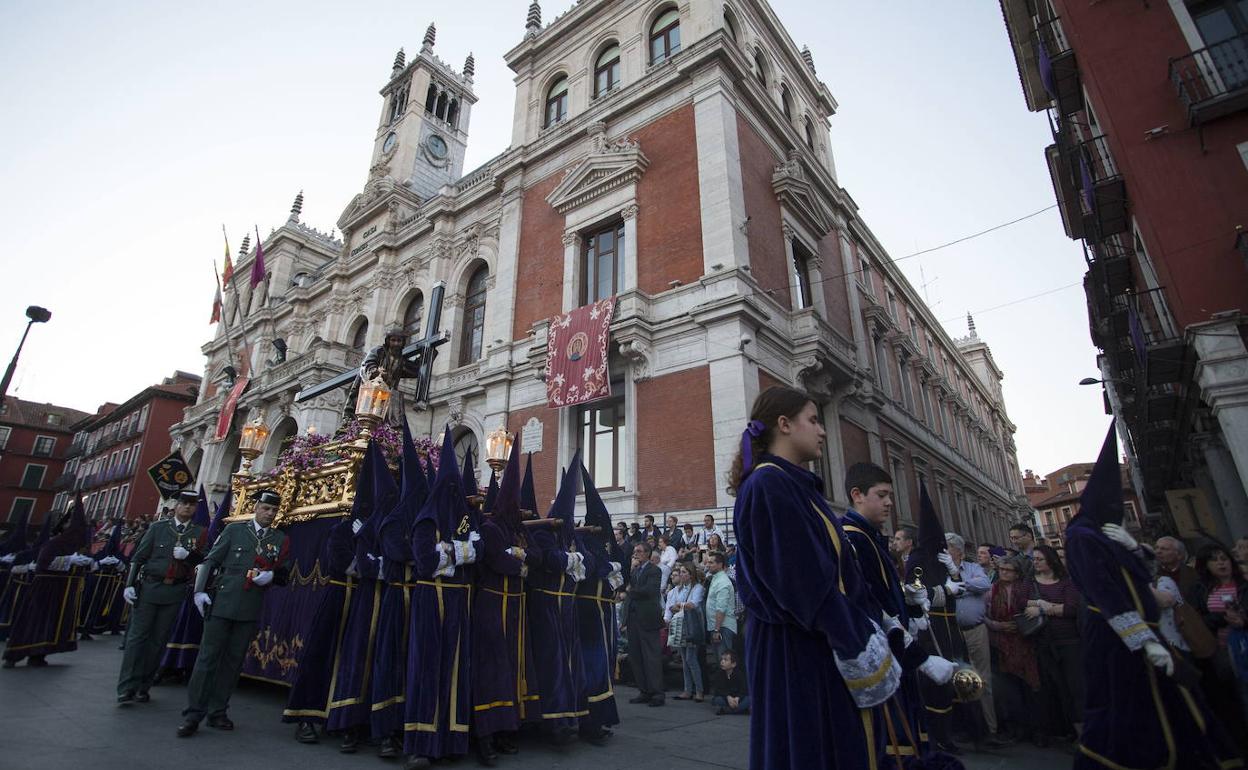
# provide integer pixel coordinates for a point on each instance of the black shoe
(125, 698)
(85, 637)
(486, 754)
(142, 696)
(389, 748)
(187, 728)
(948, 748)
(305, 732)
(417, 763)
(995, 742)
(658, 700)
(563, 736)
(597, 737)
(719, 712)
(37, 661)
(221, 722)
(350, 742)
(506, 743)
(9, 663)
(640, 699)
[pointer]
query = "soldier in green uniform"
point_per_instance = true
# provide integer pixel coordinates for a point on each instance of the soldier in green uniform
(247, 557)
(157, 583)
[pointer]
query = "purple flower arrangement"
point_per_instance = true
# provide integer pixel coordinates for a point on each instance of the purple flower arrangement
(308, 451)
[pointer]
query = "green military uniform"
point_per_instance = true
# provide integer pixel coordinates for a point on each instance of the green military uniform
(162, 583)
(230, 623)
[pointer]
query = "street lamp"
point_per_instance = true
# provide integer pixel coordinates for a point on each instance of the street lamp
(1094, 381)
(251, 443)
(37, 315)
(498, 448)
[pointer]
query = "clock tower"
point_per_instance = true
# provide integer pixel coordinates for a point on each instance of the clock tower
(423, 131)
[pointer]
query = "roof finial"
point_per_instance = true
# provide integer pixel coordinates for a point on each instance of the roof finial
(534, 22)
(400, 61)
(297, 208)
(970, 325)
(245, 249)
(470, 66)
(431, 34)
(808, 57)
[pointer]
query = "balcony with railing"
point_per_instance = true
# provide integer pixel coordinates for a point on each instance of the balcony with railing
(1213, 82)
(1059, 72)
(1102, 190)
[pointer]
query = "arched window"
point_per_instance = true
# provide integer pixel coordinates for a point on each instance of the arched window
(431, 100)
(473, 332)
(465, 441)
(452, 113)
(556, 102)
(411, 316)
(786, 104)
(810, 134)
(607, 70)
(360, 337)
(731, 25)
(441, 110)
(760, 68)
(665, 36)
(398, 104)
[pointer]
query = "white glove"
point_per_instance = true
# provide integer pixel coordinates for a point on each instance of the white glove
(915, 595)
(263, 578)
(919, 624)
(466, 550)
(947, 560)
(131, 595)
(93, 566)
(61, 563)
(8, 558)
(616, 578)
(1121, 536)
(938, 669)
(517, 552)
(109, 561)
(446, 567)
(576, 566)
(80, 560)
(21, 569)
(938, 597)
(1157, 655)
(381, 562)
(180, 553)
(954, 589)
(353, 569)
(202, 602)
(356, 526)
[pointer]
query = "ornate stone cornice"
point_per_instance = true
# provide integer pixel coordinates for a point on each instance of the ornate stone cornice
(609, 165)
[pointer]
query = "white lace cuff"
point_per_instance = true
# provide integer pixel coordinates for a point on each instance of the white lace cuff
(576, 566)
(1132, 629)
(872, 677)
(465, 551)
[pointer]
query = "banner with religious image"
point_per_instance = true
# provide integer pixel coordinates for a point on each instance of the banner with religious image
(576, 355)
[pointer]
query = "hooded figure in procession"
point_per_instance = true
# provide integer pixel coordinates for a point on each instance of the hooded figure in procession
(444, 539)
(1143, 706)
(349, 688)
(21, 574)
(595, 614)
(500, 654)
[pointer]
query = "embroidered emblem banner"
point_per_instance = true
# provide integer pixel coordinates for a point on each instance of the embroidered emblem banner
(576, 355)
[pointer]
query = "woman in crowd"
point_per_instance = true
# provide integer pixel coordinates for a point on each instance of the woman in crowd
(1015, 673)
(685, 599)
(1057, 643)
(667, 558)
(1222, 599)
(715, 543)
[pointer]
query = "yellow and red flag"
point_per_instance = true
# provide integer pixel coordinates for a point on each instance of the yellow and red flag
(228, 271)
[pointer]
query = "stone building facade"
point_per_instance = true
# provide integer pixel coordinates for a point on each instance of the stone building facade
(678, 157)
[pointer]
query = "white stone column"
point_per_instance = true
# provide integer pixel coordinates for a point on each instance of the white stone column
(500, 317)
(734, 386)
(1223, 376)
(721, 194)
(628, 259)
(862, 342)
(571, 271)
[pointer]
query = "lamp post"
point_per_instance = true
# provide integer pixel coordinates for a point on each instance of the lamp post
(251, 443)
(498, 449)
(37, 315)
(371, 406)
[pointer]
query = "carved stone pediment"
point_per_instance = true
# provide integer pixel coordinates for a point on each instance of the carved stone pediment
(610, 165)
(798, 196)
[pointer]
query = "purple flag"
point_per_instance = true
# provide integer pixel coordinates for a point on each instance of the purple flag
(1045, 65)
(257, 267)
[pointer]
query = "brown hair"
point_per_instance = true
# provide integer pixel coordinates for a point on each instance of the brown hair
(772, 404)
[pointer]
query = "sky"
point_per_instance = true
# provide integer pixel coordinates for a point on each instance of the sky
(133, 131)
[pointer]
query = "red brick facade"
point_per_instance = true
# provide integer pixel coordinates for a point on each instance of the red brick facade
(768, 258)
(669, 232)
(540, 263)
(676, 456)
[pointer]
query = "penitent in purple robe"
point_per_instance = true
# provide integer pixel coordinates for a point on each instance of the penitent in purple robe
(818, 665)
(499, 687)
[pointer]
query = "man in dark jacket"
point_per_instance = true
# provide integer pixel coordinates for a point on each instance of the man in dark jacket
(643, 617)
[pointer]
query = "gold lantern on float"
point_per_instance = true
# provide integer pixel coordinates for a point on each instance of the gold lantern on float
(371, 405)
(498, 449)
(251, 443)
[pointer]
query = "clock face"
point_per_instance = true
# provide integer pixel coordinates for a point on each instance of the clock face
(391, 140)
(437, 146)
